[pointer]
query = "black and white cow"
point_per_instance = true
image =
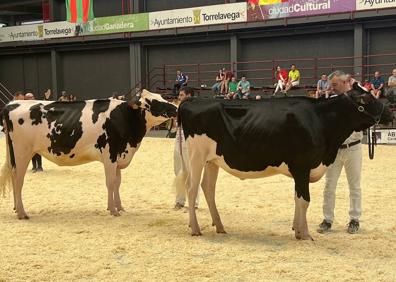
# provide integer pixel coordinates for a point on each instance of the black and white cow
(297, 137)
(73, 133)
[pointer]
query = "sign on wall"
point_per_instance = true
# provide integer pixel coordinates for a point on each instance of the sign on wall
(115, 24)
(37, 31)
(386, 136)
(207, 15)
(375, 4)
(259, 10)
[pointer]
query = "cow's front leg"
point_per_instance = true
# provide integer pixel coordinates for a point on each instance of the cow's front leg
(117, 198)
(110, 171)
(302, 198)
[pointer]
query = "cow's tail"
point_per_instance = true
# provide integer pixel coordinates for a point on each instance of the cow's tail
(5, 172)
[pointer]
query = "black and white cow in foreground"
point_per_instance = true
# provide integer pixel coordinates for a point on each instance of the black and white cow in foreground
(73, 133)
(297, 137)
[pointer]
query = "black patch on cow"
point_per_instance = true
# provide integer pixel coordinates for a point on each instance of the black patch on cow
(67, 128)
(21, 121)
(5, 118)
(124, 126)
(72, 156)
(36, 114)
(99, 106)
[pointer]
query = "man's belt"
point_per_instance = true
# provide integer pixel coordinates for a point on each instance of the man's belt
(350, 144)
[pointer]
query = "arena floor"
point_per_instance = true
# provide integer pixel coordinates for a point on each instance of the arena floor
(71, 236)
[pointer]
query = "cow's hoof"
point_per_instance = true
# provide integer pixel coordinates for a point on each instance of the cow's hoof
(120, 209)
(23, 216)
(221, 231)
(197, 233)
(115, 213)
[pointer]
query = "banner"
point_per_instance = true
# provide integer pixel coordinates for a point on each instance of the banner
(115, 24)
(207, 15)
(386, 136)
(259, 10)
(79, 11)
(375, 4)
(37, 32)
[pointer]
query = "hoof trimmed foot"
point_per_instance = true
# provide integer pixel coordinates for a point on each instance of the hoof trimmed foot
(23, 217)
(221, 231)
(120, 209)
(115, 213)
(198, 233)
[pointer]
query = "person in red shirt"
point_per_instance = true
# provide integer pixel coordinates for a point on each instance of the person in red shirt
(227, 79)
(281, 76)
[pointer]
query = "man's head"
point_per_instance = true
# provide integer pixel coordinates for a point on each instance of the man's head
(243, 77)
(178, 72)
(233, 79)
(377, 74)
(64, 93)
(19, 96)
(278, 68)
(339, 82)
(324, 77)
(394, 72)
(185, 93)
(293, 67)
(29, 96)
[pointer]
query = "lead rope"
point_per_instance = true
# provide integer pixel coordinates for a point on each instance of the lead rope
(372, 141)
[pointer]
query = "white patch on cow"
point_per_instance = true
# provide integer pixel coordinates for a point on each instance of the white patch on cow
(202, 144)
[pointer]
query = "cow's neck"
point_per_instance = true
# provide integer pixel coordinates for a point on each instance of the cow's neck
(152, 121)
(340, 118)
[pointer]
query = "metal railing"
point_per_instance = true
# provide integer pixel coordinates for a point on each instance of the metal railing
(5, 95)
(262, 72)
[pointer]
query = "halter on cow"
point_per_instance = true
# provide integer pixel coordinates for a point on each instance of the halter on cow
(74, 133)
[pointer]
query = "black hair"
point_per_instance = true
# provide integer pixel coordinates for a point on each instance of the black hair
(188, 90)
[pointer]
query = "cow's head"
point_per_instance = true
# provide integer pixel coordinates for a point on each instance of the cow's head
(373, 109)
(158, 108)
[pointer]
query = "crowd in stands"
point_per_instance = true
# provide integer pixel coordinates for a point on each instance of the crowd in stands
(227, 85)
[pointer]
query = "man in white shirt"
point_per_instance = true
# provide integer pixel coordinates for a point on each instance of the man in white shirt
(180, 153)
(350, 157)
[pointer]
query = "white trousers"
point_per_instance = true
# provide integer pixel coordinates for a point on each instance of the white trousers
(351, 160)
(279, 86)
(177, 166)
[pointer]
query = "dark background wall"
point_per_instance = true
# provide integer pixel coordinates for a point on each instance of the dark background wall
(193, 53)
(382, 41)
(302, 49)
(94, 73)
(27, 72)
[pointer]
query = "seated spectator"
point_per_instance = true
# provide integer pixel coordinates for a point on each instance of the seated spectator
(323, 87)
(64, 97)
(72, 98)
(294, 78)
(243, 88)
(228, 76)
(47, 95)
(281, 76)
(181, 81)
(19, 95)
(391, 91)
(367, 85)
(219, 81)
(232, 88)
(377, 85)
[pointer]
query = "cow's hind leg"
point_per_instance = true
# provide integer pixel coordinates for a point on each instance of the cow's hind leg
(302, 198)
(117, 198)
(197, 165)
(18, 176)
(111, 180)
(209, 187)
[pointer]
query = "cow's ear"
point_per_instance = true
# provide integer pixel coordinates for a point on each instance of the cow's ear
(132, 98)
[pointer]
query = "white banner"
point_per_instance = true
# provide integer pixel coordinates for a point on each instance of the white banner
(206, 15)
(37, 31)
(386, 136)
(375, 4)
